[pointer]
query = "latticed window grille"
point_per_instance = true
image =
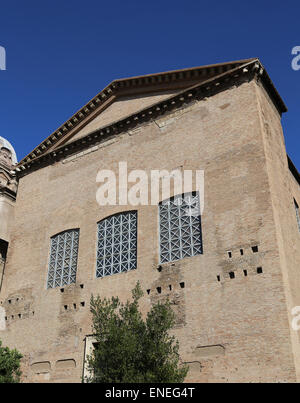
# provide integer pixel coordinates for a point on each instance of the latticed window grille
(63, 258)
(297, 213)
(117, 244)
(180, 227)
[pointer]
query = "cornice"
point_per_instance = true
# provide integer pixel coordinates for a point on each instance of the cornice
(5, 191)
(228, 78)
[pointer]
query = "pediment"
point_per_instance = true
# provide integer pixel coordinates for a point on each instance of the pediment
(125, 97)
(119, 109)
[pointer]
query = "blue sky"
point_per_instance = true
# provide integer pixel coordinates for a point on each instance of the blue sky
(62, 53)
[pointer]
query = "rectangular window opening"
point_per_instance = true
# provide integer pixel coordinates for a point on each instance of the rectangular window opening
(180, 233)
(117, 244)
(63, 259)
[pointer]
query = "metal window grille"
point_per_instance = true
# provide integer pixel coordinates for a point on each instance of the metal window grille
(297, 214)
(117, 244)
(180, 227)
(63, 259)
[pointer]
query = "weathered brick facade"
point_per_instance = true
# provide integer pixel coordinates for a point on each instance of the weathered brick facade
(231, 327)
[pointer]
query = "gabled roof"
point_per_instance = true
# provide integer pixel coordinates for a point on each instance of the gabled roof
(189, 81)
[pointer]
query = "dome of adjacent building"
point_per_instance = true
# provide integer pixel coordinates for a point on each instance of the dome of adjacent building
(6, 144)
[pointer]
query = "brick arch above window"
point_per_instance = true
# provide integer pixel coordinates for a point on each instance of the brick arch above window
(117, 244)
(63, 258)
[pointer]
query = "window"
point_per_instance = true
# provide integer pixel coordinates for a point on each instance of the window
(180, 227)
(297, 213)
(63, 258)
(117, 244)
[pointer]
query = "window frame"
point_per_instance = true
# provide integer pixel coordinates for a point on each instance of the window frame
(73, 231)
(97, 243)
(161, 261)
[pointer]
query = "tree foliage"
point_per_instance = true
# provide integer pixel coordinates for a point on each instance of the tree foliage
(9, 365)
(130, 348)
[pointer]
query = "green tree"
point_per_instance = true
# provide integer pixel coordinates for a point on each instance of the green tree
(9, 365)
(132, 349)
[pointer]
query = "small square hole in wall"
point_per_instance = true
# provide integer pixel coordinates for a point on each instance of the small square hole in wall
(159, 268)
(259, 270)
(74, 306)
(254, 249)
(65, 307)
(158, 290)
(231, 274)
(229, 254)
(170, 287)
(9, 301)
(82, 303)
(245, 273)
(218, 278)
(62, 290)
(182, 285)
(148, 291)
(81, 286)
(241, 252)
(19, 315)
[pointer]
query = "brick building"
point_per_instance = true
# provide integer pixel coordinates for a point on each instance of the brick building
(232, 274)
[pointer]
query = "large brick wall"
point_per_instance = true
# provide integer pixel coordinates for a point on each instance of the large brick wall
(230, 329)
(284, 189)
